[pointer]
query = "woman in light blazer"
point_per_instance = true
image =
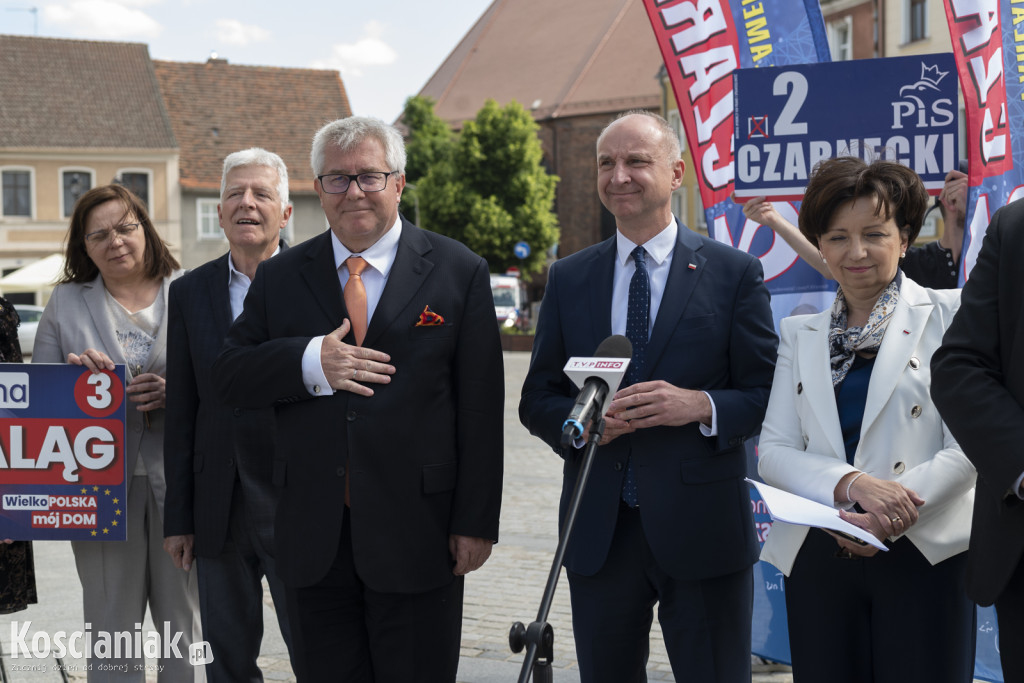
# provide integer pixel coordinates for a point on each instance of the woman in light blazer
(110, 307)
(851, 424)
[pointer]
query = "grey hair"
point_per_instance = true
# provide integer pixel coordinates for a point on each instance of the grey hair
(257, 156)
(669, 140)
(349, 132)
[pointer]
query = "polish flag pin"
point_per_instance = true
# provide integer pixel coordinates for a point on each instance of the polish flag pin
(692, 266)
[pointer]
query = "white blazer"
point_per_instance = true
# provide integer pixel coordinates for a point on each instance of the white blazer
(902, 435)
(76, 318)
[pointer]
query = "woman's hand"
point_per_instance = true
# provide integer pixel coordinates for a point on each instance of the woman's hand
(149, 391)
(94, 359)
(889, 507)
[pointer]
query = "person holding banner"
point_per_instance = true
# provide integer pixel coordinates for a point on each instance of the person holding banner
(665, 516)
(935, 264)
(979, 366)
(850, 424)
(110, 307)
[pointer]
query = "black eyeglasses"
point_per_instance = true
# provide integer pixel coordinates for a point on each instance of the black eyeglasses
(101, 236)
(338, 183)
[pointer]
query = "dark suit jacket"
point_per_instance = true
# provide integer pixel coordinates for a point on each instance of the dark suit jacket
(978, 386)
(424, 452)
(207, 443)
(713, 332)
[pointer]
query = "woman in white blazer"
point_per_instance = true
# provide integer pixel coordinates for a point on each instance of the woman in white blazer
(851, 424)
(110, 307)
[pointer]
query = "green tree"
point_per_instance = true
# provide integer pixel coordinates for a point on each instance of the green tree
(487, 188)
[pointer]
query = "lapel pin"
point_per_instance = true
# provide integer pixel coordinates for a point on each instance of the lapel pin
(692, 266)
(906, 331)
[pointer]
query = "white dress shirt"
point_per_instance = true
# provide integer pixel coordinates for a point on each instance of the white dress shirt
(380, 257)
(238, 284)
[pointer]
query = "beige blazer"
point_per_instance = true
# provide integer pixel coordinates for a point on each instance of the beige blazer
(902, 436)
(75, 319)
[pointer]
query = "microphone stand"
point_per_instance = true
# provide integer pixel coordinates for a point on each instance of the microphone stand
(539, 637)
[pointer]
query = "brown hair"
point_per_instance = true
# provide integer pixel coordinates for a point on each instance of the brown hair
(898, 190)
(79, 267)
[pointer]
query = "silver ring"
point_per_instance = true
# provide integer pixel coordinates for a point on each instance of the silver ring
(355, 373)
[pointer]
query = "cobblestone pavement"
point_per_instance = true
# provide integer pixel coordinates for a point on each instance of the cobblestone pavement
(506, 589)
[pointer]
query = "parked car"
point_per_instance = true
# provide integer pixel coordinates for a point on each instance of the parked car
(509, 301)
(29, 316)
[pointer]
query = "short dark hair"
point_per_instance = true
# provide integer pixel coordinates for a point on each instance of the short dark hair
(898, 190)
(79, 267)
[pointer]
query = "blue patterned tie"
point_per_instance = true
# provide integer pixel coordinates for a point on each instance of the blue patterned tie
(638, 316)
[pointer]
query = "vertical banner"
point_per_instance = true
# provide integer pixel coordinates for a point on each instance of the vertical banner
(987, 46)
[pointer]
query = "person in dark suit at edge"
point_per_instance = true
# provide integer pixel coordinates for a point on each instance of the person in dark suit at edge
(666, 515)
(377, 343)
(981, 365)
(220, 501)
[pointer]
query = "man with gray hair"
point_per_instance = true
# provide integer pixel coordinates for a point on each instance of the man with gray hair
(377, 343)
(218, 460)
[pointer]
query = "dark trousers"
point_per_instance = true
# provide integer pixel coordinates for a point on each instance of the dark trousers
(1010, 614)
(348, 633)
(231, 599)
(893, 617)
(706, 623)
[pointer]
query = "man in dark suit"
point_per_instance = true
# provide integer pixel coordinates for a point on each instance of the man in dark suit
(220, 501)
(378, 344)
(978, 386)
(666, 514)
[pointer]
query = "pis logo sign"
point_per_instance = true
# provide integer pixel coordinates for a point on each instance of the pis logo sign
(13, 390)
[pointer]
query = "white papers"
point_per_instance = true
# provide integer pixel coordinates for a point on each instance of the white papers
(789, 507)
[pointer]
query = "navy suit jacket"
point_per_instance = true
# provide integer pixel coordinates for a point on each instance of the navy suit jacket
(424, 453)
(978, 386)
(207, 444)
(713, 332)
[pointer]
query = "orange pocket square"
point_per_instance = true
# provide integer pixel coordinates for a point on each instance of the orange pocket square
(429, 319)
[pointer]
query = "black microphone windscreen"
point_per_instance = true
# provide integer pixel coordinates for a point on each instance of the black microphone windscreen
(615, 346)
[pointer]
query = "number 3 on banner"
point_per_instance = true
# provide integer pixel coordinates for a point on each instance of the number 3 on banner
(102, 398)
(98, 394)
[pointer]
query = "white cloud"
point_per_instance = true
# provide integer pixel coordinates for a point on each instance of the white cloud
(368, 50)
(234, 32)
(103, 19)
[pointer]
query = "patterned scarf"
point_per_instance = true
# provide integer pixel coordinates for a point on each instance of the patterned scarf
(844, 342)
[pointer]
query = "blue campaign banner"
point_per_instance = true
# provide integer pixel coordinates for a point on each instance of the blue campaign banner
(62, 453)
(787, 119)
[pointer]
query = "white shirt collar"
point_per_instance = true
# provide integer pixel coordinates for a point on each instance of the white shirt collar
(232, 271)
(380, 256)
(658, 247)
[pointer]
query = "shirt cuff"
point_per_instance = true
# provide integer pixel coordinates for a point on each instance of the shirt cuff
(312, 372)
(1016, 486)
(713, 429)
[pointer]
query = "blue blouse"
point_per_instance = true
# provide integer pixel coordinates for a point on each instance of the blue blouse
(851, 397)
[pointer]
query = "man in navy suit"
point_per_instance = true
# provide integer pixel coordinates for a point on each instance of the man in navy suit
(220, 501)
(665, 516)
(389, 402)
(978, 386)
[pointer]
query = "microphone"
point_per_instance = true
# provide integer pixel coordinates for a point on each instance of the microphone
(598, 378)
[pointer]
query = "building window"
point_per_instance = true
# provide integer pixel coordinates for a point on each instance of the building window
(207, 221)
(915, 20)
(17, 193)
(75, 184)
(138, 183)
(676, 122)
(700, 219)
(840, 39)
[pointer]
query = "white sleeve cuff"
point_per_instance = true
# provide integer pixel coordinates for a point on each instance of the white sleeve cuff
(312, 372)
(1016, 486)
(713, 429)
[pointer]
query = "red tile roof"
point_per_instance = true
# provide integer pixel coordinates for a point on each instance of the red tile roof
(217, 108)
(58, 93)
(565, 58)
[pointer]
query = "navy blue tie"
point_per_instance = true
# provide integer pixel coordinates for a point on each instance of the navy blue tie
(638, 317)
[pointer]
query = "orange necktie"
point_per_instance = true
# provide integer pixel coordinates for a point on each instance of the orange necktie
(355, 297)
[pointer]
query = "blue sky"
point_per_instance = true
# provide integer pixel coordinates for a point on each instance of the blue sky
(385, 51)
